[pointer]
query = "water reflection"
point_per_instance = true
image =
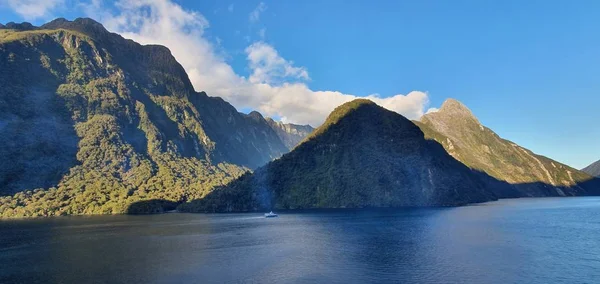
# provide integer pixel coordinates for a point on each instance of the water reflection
(512, 241)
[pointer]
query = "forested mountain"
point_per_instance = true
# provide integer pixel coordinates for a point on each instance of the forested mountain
(466, 139)
(91, 122)
(362, 156)
(593, 169)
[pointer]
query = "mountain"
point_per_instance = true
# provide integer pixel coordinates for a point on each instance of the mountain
(593, 169)
(25, 26)
(290, 134)
(466, 139)
(91, 123)
(362, 156)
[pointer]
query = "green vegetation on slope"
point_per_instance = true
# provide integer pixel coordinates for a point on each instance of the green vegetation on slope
(362, 156)
(92, 123)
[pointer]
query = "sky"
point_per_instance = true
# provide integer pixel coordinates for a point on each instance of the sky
(529, 70)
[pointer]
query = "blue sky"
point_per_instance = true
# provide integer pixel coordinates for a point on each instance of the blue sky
(528, 69)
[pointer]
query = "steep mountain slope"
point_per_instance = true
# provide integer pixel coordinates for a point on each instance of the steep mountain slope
(107, 122)
(290, 134)
(593, 169)
(362, 156)
(463, 136)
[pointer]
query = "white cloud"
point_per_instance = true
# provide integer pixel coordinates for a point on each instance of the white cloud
(268, 67)
(230, 7)
(275, 86)
(255, 14)
(33, 9)
(432, 110)
(297, 103)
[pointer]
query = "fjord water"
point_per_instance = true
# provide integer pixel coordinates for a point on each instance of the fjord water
(542, 240)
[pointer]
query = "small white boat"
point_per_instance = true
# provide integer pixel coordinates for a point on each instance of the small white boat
(270, 215)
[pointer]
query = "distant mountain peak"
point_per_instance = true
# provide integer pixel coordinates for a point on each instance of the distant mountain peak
(455, 107)
(291, 134)
(452, 114)
(593, 169)
(24, 26)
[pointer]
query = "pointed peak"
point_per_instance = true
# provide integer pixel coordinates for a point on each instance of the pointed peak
(451, 103)
(593, 169)
(453, 106)
(256, 115)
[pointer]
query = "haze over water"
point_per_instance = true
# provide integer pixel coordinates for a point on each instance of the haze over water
(546, 240)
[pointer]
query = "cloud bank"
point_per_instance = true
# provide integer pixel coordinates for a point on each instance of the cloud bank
(33, 9)
(276, 86)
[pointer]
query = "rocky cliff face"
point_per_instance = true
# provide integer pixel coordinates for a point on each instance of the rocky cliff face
(466, 139)
(362, 156)
(94, 122)
(290, 134)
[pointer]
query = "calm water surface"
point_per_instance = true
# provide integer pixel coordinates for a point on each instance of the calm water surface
(548, 240)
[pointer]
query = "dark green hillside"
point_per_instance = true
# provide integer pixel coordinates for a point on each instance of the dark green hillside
(362, 156)
(91, 122)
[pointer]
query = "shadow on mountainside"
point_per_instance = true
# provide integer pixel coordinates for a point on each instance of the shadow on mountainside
(37, 138)
(363, 157)
(254, 192)
(235, 198)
